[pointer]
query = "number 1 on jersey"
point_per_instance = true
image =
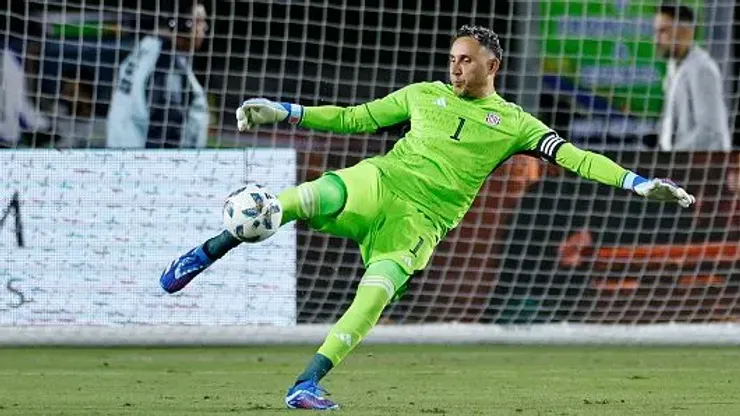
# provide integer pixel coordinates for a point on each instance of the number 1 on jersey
(456, 136)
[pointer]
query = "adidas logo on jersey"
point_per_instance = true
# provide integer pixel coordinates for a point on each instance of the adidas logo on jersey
(441, 102)
(407, 260)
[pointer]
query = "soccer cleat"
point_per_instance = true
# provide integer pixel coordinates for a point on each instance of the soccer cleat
(184, 269)
(308, 395)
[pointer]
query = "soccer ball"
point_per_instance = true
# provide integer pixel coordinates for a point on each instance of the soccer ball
(252, 213)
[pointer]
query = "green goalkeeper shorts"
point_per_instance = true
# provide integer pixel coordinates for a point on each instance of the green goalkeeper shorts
(385, 226)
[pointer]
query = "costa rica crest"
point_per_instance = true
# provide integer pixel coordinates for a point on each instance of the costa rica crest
(493, 119)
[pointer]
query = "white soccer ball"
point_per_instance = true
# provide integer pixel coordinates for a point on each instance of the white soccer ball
(252, 213)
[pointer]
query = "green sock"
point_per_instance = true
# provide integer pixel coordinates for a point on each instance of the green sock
(374, 292)
(316, 369)
(216, 247)
(356, 322)
(347, 332)
(323, 197)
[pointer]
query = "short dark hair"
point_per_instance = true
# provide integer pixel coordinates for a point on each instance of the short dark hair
(485, 36)
(177, 13)
(177, 7)
(678, 12)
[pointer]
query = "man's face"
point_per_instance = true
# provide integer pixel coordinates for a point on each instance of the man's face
(472, 66)
(670, 34)
(200, 26)
(194, 40)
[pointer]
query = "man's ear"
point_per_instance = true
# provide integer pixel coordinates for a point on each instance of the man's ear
(493, 65)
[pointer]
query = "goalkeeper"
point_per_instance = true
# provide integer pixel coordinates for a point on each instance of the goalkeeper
(399, 206)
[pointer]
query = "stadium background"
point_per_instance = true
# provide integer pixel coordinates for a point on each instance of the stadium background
(511, 260)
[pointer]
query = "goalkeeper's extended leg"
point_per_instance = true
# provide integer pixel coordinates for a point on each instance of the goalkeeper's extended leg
(373, 294)
(323, 197)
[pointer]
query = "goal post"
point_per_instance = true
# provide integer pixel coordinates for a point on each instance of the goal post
(542, 256)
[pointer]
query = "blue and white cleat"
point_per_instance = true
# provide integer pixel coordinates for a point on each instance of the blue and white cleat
(181, 271)
(308, 395)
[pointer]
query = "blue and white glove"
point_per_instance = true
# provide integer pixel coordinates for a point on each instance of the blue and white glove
(662, 190)
(256, 111)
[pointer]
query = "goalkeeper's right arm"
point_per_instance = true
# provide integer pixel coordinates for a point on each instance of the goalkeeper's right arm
(363, 118)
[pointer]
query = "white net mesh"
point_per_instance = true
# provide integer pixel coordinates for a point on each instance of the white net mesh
(538, 246)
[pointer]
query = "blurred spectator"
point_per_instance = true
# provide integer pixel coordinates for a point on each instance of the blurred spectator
(694, 114)
(158, 102)
(17, 112)
(74, 110)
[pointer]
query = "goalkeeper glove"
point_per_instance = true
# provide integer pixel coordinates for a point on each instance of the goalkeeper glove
(256, 111)
(663, 190)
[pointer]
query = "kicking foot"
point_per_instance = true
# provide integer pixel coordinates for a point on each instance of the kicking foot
(184, 269)
(308, 395)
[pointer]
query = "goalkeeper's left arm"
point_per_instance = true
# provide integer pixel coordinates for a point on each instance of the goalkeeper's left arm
(600, 168)
(551, 147)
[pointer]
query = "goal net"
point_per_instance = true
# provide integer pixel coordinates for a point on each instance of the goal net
(542, 256)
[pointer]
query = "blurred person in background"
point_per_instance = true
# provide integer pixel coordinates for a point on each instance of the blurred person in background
(17, 112)
(694, 112)
(157, 101)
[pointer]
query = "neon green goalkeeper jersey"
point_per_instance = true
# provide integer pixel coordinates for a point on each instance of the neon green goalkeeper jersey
(454, 144)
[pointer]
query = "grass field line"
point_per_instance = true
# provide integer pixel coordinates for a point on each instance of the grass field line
(439, 370)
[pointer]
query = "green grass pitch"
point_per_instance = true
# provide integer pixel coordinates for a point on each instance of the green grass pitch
(375, 380)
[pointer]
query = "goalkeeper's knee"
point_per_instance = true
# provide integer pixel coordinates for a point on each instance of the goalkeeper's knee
(323, 197)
